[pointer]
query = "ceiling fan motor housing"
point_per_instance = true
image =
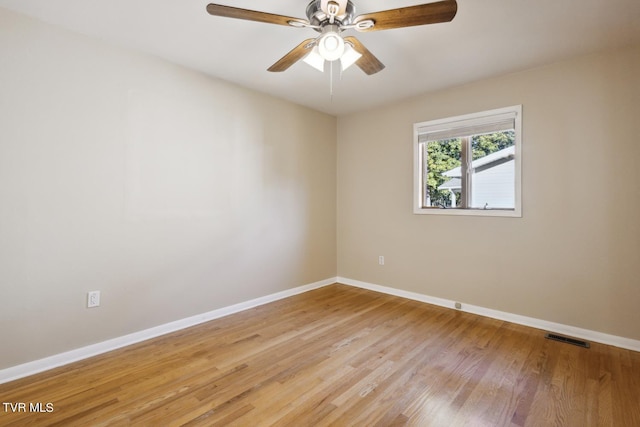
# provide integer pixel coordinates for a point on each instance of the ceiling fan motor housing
(319, 18)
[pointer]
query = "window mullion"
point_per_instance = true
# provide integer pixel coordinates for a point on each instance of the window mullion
(465, 178)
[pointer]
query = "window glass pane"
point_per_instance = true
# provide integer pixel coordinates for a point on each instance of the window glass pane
(493, 171)
(442, 180)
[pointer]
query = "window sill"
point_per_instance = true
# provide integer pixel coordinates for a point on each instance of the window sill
(514, 213)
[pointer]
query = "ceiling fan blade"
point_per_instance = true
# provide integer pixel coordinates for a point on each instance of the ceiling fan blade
(296, 54)
(430, 13)
(252, 15)
(367, 62)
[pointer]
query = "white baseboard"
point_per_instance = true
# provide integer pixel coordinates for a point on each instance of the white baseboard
(573, 331)
(30, 368)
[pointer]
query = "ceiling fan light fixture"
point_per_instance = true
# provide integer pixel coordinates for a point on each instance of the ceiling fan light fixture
(331, 46)
(314, 59)
(349, 57)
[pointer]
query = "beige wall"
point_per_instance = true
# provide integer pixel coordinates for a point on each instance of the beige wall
(574, 256)
(175, 194)
(172, 193)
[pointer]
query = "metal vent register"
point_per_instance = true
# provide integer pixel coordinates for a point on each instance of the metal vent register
(568, 340)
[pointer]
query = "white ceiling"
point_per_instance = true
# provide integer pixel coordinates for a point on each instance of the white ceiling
(486, 38)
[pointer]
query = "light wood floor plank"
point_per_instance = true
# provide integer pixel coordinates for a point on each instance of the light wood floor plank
(341, 356)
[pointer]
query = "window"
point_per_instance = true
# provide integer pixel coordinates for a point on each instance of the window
(469, 165)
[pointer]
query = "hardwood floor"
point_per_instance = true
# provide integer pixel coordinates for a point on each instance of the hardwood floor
(340, 356)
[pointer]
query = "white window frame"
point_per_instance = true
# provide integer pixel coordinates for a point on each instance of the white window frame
(449, 126)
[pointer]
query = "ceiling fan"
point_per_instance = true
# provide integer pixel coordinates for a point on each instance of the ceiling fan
(330, 18)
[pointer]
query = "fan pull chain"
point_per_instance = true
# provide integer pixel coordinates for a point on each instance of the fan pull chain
(331, 80)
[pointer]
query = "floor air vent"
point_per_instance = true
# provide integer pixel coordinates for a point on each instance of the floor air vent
(568, 340)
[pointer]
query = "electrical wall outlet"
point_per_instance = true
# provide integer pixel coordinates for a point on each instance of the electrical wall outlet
(93, 299)
(381, 260)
